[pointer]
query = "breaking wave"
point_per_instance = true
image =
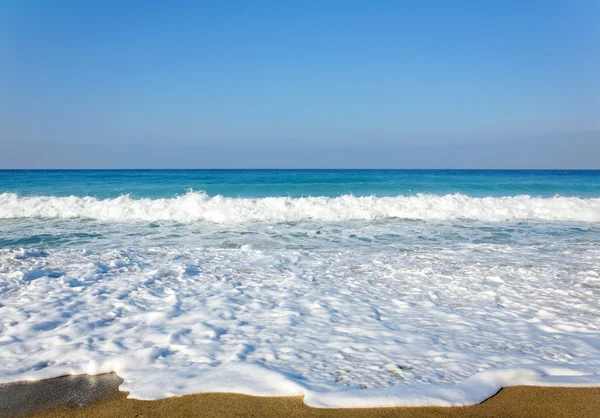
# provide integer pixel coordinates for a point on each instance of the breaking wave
(198, 206)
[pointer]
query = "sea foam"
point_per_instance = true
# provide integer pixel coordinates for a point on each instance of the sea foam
(198, 206)
(355, 328)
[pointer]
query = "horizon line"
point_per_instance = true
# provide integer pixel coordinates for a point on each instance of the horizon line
(299, 169)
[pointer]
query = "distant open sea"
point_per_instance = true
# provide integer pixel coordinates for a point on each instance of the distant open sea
(351, 287)
(300, 183)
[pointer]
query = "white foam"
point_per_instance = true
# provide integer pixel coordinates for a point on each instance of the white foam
(197, 206)
(368, 327)
(470, 391)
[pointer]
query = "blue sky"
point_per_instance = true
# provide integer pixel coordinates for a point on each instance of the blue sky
(257, 79)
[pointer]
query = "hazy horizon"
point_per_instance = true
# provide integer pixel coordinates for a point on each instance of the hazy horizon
(579, 152)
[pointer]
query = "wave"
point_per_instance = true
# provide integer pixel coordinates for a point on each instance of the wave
(198, 206)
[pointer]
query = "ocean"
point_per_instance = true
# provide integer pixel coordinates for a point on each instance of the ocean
(349, 287)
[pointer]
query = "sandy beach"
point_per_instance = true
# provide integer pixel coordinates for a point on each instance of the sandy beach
(299, 209)
(98, 396)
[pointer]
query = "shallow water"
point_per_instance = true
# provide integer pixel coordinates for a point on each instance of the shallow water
(250, 287)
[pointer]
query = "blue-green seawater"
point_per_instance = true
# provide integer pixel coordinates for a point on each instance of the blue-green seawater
(297, 183)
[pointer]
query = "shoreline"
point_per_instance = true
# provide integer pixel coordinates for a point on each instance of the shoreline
(99, 396)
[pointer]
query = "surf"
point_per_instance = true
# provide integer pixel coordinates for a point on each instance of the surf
(199, 206)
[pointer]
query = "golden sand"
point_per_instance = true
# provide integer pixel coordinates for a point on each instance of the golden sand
(100, 398)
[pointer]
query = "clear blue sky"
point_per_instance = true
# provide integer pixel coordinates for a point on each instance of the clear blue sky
(278, 82)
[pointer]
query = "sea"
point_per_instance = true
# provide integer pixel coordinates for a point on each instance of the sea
(352, 288)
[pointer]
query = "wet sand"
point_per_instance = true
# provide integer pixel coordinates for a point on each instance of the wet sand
(98, 396)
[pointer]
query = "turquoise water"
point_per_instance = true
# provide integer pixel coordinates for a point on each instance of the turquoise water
(331, 277)
(271, 208)
(297, 183)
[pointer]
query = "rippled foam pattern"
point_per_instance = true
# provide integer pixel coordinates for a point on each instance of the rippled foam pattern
(349, 301)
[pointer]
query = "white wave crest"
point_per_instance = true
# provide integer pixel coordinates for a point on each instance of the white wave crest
(197, 206)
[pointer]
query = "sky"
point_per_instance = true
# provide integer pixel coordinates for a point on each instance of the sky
(292, 84)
